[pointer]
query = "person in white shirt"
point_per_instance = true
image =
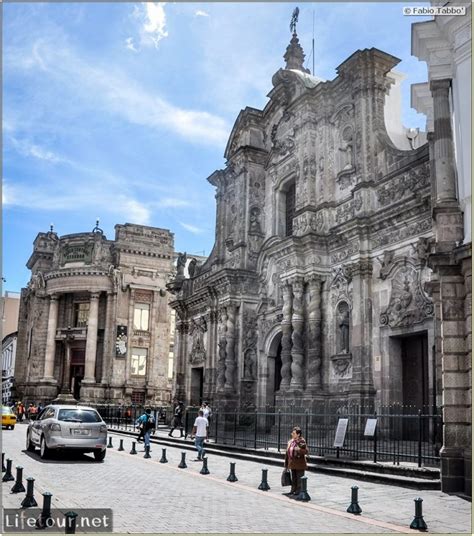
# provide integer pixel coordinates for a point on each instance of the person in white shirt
(206, 410)
(199, 431)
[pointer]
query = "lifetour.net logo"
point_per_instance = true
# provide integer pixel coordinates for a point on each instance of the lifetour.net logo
(434, 10)
(91, 520)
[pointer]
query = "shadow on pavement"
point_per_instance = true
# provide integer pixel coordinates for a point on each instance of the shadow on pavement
(62, 458)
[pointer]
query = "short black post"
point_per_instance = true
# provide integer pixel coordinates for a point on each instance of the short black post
(134, 450)
(264, 483)
(18, 486)
(109, 446)
(354, 507)
(147, 451)
(204, 470)
(29, 501)
(418, 522)
(45, 520)
(182, 463)
(303, 495)
(232, 477)
(7, 477)
(70, 522)
(3, 463)
(121, 445)
(163, 457)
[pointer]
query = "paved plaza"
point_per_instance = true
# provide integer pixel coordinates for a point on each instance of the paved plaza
(148, 496)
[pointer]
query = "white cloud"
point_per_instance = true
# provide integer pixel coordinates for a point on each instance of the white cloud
(191, 228)
(130, 45)
(152, 18)
(173, 202)
(201, 13)
(26, 148)
(137, 212)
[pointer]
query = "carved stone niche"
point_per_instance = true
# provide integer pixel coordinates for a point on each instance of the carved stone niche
(341, 367)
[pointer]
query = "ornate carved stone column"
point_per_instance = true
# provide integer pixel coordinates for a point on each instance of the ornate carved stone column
(287, 293)
(313, 366)
(51, 339)
(91, 342)
(297, 350)
(222, 344)
(230, 364)
(109, 338)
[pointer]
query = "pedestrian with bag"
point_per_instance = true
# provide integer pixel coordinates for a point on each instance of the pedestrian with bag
(146, 423)
(200, 429)
(178, 419)
(295, 461)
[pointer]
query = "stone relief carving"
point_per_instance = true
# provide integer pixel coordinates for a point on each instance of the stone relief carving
(341, 368)
(339, 287)
(403, 186)
(387, 263)
(408, 303)
(197, 329)
(389, 237)
(343, 327)
(347, 252)
(250, 365)
(307, 222)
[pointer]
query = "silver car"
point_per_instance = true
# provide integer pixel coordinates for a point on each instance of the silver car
(77, 428)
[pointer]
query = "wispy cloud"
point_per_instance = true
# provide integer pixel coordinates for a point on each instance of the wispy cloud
(172, 202)
(201, 13)
(191, 228)
(152, 19)
(28, 149)
(130, 45)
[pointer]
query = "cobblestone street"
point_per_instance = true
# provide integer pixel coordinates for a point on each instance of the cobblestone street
(147, 496)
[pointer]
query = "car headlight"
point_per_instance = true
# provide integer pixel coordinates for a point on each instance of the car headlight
(55, 426)
(103, 428)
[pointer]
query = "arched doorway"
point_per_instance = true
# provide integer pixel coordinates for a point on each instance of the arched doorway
(273, 369)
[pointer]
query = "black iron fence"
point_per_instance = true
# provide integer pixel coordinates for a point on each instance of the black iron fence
(401, 433)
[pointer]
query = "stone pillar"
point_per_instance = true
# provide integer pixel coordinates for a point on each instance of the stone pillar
(51, 340)
(297, 350)
(222, 344)
(180, 356)
(447, 214)
(313, 364)
(109, 337)
(287, 293)
(91, 342)
(362, 389)
(230, 364)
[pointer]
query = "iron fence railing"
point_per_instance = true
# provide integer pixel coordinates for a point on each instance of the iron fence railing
(402, 434)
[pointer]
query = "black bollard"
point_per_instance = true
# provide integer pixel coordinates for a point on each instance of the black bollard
(3, 463)
(163, 457)
(45, 519)
(7, 477)
(70, 522)
(303, 495)
(418, 522)
(232, 477)
(29, 501)
(354, 507)
(264, 483)
(110, 446)
(133, 451)
(182, 463)
(18, 486)
(204, 470)
(147, 451)
(121, 445)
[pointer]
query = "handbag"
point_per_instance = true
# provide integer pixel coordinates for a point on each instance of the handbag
(286, 478)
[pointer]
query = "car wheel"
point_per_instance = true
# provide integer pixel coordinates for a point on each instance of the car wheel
(99, 455)
(13, 427)
(44, 450)
(30, 446)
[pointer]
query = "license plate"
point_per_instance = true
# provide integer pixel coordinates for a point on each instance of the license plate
(80, 431)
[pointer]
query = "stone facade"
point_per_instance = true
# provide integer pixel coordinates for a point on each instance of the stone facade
(314, 291)
(445, 44)
(94, 319)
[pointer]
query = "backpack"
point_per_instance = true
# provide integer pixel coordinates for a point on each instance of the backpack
(150, 423)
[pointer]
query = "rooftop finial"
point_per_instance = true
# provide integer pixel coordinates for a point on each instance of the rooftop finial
(51, 228)
(97, 229)
(294, 20)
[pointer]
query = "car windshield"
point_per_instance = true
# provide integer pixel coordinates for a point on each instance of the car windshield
(6, 411)
(78, 415)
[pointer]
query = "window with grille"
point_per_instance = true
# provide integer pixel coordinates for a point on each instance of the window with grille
(81, 314)
(138, 397)
(289, 210)
(138, 362)
(141, 316)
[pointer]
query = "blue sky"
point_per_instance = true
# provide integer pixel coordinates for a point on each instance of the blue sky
(121, 110)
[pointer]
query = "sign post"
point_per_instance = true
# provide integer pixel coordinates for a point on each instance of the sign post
(340, 434)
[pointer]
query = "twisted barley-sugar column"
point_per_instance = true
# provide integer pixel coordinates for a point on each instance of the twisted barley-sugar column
(287, 293)
(230, 365)
(91, 341)
(51, 338)
(220, 379)
(297, 321)
(313, 367)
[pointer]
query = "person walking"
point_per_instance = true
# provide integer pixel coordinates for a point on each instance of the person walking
(178, 419)
(200, 428)
(206, 410)
(295, 460)
(146, 423)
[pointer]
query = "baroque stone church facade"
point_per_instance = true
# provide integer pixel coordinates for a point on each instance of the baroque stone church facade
(314, 293)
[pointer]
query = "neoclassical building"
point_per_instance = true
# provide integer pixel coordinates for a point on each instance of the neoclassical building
(314, 293)
(94, 321)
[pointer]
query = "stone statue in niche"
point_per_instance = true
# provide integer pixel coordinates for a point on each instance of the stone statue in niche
(346, 151)
(181, 263)
(250, 365)
(254, 224)
(192, 267)
(343, 325)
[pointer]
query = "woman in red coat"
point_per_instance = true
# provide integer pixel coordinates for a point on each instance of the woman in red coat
(295, 460)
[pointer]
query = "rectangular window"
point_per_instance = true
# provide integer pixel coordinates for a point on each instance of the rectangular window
(141, 316)
(290, 210)
(138, 397)
(138, 363)
(81, 314)
(170, 365)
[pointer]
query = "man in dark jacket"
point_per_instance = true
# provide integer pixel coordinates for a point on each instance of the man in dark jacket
(295, 460)
(178, 419)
